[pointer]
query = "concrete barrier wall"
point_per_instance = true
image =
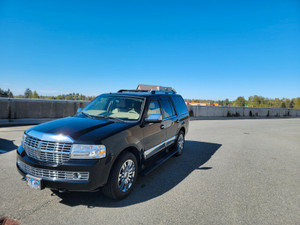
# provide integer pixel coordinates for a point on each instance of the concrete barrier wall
(32, 111)
(12, 110)
(226, 111)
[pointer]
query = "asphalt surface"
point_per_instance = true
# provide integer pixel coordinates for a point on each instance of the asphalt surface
(232, 172)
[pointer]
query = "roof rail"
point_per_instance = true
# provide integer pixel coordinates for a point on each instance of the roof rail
(125, 90)
(162, 92)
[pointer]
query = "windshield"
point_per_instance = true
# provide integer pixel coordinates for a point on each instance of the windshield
(118, 107)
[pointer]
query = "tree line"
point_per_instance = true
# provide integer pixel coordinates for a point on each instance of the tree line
(252, 101)
(34, 95)
(259, 101)
(255, 101)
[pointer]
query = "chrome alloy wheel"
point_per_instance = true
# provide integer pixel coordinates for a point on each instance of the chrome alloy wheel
(126, 175)
(180, 142)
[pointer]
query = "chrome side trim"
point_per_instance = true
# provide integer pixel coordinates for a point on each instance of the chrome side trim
(50, 137)
(152, 151)
(170, 141)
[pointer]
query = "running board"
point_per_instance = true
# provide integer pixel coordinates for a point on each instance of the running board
(158, 163)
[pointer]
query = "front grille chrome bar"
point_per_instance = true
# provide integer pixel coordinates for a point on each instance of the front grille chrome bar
(47, 151)
(54, 175)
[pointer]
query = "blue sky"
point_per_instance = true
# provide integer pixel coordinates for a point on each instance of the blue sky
(204, 49)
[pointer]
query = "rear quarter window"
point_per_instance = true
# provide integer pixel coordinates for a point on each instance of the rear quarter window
(179, 104)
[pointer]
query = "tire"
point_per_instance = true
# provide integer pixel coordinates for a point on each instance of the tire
(179, 144)
(122, 178)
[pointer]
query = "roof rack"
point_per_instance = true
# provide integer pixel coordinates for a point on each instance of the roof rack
(150, 88)
(153, 89)
(149, 91)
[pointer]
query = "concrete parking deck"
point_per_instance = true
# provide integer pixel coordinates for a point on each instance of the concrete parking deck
(232, 172)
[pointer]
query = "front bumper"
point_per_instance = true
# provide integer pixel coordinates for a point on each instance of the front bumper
(60, 176)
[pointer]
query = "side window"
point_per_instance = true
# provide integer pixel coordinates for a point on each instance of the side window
(179, 104)
(167, 108)
(153, 108)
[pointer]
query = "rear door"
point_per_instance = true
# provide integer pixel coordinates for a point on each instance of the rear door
(169, 120)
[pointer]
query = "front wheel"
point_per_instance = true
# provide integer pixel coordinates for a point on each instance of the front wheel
(122, 177)
(179, 145)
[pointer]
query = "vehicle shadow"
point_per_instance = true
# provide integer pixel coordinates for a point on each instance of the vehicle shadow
(7, 145)
(160, 181)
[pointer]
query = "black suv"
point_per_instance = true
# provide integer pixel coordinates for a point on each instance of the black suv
(107, 144)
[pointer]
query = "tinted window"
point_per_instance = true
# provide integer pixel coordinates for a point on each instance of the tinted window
(166, 108)
(153, 108)
(179, 104)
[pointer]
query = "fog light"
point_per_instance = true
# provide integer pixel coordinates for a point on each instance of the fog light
(76, 176)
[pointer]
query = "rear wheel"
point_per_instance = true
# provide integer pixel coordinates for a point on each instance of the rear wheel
(179, 145)
(122, 177)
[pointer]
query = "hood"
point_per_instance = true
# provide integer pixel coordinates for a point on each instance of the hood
(82, 129)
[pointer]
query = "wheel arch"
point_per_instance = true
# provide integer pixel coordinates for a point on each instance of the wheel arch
(109, 189)
(131, 149)
(182, 129)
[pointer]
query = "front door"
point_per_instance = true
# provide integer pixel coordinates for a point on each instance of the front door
(154, 133)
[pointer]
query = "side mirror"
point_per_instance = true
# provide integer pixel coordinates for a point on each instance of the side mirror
(154, 118)
(79, 110)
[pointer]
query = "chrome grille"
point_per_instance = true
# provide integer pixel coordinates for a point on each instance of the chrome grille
(53, 174)
(48, 151)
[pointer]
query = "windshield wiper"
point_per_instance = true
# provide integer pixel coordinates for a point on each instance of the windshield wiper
(101, 116)
(87, 115)
(110, 117)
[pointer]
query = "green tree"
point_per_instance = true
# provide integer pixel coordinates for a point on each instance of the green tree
(6, 94)
(276, 103)
(60, 97)
(255, 101)
(27, 93)
(49, 97)
(292, 103)
(297, 104)
(10, 94)
(34, 95)
(226, 102)
(240, 101)
(69, 97)
(283, 105)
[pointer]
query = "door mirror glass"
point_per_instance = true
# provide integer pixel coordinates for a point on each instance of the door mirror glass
(154, 118)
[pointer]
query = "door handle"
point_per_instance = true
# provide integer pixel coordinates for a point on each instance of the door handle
(162, 126)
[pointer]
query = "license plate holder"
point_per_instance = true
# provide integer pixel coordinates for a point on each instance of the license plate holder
(34, 182)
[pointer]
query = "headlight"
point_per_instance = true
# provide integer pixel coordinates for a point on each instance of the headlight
(88, 151)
